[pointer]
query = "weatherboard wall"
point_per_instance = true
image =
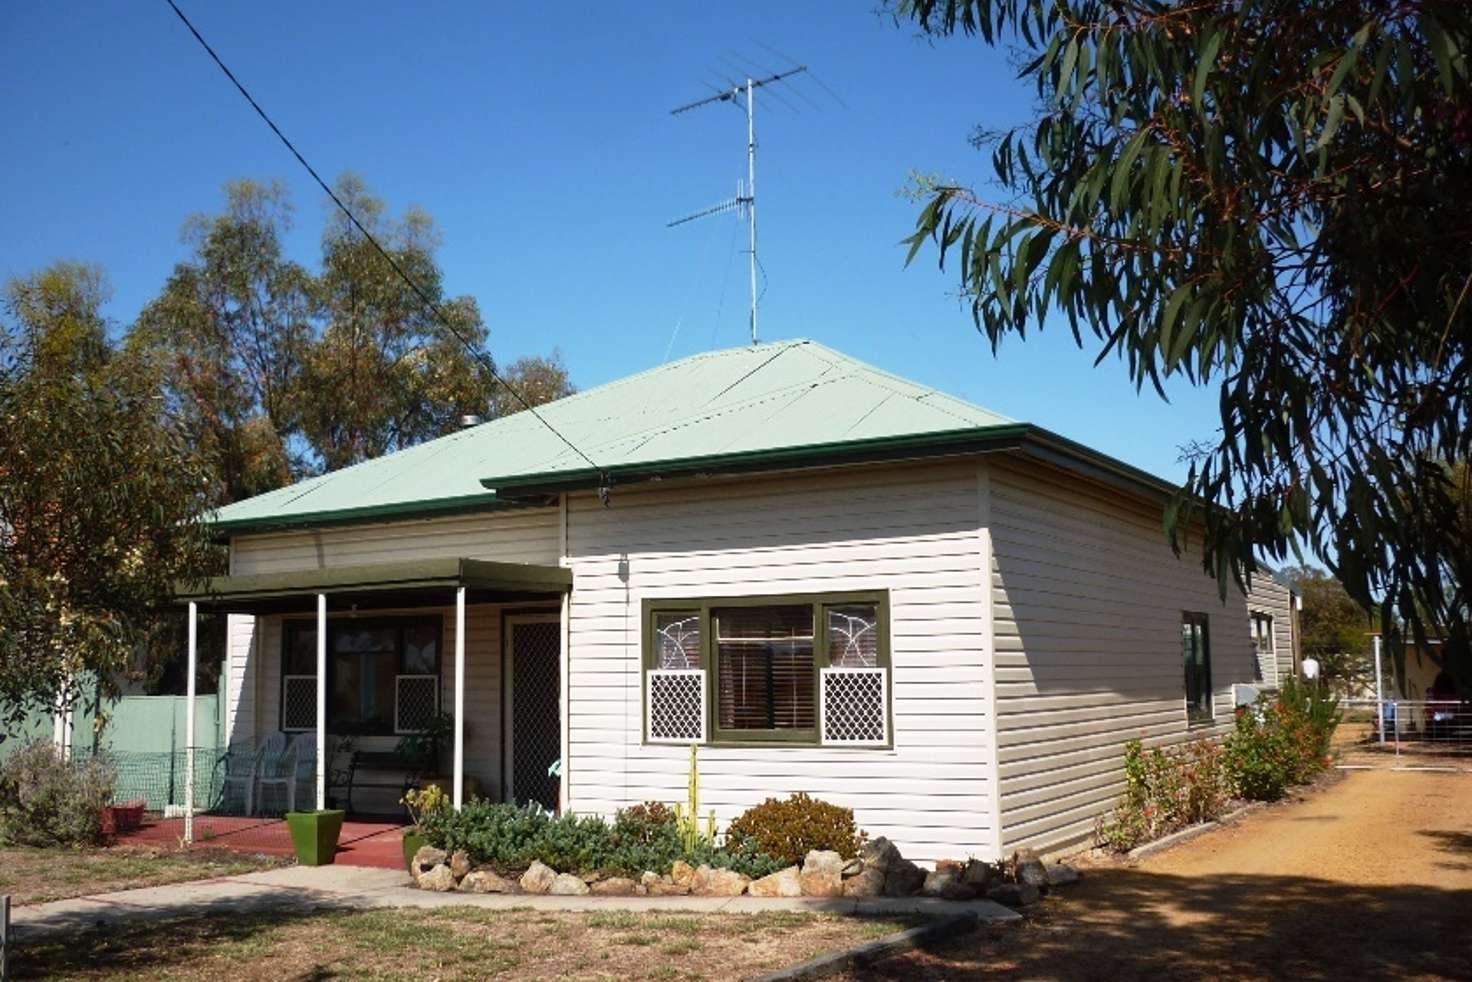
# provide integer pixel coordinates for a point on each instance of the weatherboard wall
(1087, 599)
(913, 531)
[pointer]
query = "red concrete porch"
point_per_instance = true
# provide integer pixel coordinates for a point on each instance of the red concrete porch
(362, 842)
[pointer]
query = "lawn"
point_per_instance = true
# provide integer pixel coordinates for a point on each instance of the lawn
(33, 876)
(452, 943)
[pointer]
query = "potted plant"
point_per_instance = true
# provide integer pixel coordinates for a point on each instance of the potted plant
(424, 750)
(314, 835)
(420, 804)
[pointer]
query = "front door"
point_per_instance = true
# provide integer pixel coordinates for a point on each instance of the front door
(533, 708)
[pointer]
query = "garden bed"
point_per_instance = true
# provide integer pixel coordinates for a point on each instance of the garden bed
(35, 875)
(457, 943)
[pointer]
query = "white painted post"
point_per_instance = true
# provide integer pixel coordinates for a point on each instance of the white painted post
(192, 663)
(321, 701)
(1379, 695)
(458, 794)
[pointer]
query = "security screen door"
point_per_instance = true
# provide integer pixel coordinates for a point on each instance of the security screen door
(533, 707)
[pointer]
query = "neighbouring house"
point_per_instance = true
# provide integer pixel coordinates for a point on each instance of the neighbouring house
(830, 578)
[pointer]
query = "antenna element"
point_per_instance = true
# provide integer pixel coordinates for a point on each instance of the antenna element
(742, 94)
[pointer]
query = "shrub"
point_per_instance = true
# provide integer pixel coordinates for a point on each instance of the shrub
(48, 801)
(1281, 741)
(1164, 792)
(787, 830)
(641, 838)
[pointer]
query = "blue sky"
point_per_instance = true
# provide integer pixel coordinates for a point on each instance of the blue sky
(540, 139)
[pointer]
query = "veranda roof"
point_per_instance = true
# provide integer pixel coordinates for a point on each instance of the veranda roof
(424, 582)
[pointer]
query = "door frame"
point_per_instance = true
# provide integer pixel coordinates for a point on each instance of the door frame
(509, 621)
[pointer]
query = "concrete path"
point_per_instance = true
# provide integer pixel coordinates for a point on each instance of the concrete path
(295, 889)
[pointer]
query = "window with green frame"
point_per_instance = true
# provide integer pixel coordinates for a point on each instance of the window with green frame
(1196, 654)
(803, 669)
(382, 673)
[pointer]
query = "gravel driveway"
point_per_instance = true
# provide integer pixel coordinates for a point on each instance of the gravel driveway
(1368, 878)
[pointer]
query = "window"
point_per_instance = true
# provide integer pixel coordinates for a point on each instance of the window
(1196, 652)
(1262, 643)
(808, 669)
(382, 674)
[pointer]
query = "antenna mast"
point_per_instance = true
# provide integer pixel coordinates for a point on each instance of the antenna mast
(741, 93)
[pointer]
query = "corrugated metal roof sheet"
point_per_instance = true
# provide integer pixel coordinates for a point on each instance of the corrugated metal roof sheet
(780, 396)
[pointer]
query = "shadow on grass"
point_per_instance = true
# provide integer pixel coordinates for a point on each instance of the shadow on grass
(1129, 924)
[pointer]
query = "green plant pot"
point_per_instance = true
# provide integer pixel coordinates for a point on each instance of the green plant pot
(413, 841)
(314, 835)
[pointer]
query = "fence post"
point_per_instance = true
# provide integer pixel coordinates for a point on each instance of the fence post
(5, 938)
(1380, 698)
(193, 662)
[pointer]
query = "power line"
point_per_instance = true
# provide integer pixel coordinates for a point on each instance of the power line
(475, 353)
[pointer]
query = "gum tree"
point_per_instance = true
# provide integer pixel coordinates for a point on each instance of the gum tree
(100, 498)
(1273, 198)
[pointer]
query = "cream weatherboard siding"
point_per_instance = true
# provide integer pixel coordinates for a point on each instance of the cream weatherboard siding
(1082, 604)
(1270, 597)
(913, 531)
(524, 535)
(1087, 600)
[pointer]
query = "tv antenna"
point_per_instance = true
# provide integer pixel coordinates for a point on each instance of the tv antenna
(740, 94)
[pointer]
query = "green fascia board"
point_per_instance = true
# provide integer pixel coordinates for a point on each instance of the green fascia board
(417, 574)
(782, 458)
(1022, 437)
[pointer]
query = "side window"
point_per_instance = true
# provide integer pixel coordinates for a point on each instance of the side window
(805, 670)
(1196, 654)
(1262, 644)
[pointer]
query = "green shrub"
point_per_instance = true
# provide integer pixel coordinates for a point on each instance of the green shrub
(1282, 740)
(641, 838)
(47, 801)
(1164, 792)
(788, 829)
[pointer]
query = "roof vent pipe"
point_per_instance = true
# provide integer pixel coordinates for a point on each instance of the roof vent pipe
(469, 420)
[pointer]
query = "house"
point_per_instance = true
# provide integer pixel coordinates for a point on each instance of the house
(832, 579)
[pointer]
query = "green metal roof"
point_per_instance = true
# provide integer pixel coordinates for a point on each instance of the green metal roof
(777, 404)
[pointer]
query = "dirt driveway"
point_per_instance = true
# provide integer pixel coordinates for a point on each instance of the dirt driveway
(1370, 878)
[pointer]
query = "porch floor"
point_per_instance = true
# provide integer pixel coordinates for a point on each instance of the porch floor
(363, 842)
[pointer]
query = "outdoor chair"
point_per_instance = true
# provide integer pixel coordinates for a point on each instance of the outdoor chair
(278, 771)
(241, 767)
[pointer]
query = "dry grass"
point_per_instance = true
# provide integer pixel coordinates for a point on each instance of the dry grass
(453, 943)
(34, 876)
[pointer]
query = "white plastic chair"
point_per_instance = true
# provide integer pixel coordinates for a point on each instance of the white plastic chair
(303, 771)
(276, 768)
(242, 766)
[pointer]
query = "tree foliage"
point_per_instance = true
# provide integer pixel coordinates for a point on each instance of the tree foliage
(536, 379)
(277, 371)
(1272, 197)
(1333, 627)
(229, 333)
(99, 497)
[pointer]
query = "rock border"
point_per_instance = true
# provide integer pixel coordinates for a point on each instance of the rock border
(866, 954)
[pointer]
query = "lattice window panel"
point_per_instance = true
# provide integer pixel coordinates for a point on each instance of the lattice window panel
(416, 701)
(298, 702)
(855, 707)
(676, 700)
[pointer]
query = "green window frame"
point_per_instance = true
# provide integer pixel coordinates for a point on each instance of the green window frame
(1196, 658)
(296, 660)
(656, 613)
